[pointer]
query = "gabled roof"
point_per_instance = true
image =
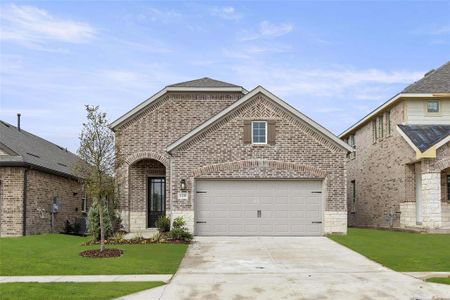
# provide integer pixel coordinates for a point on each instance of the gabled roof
(425, 136)
(205, 82)
(247, 97)
(199, 85)
(434, 84)
(26, 149)
(435, 81)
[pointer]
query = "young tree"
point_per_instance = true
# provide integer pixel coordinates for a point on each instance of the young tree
(97, 151)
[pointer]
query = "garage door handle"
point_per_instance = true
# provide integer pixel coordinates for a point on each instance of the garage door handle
(201, 222)
(317, 222)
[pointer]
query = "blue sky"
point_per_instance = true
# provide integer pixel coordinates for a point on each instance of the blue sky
(333, 61)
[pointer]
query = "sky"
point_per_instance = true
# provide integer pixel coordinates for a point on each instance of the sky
(333, 61)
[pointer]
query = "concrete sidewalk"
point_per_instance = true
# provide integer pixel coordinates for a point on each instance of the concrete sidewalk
(87, 278)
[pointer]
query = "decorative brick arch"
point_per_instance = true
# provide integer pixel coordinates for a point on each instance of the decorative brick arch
(443, 163)
(259, 163)
(147, 155)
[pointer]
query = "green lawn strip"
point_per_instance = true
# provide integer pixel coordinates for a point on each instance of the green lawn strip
(72, 290)
(57, 254)
(444, 280)
(400, 251)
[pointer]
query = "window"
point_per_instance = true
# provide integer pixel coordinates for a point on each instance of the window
(388, 123)
(380, 126)
(433, 106)
(259, 132)
(351, 142)
(353, 187)
(374, 131)
(84, 204)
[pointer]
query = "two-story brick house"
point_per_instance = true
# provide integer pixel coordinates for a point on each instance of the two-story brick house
(400, 172)
(231, 162)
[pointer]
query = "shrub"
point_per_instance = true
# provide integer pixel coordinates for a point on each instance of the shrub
(76, 227)
(179, 231)
(163, 224)
(67, 227)
(179, 222)
(94, 222)
(181, 234)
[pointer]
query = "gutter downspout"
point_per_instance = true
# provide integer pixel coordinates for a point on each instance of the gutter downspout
(24, 204)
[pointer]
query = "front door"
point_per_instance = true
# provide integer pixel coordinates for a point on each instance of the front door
(156, 199)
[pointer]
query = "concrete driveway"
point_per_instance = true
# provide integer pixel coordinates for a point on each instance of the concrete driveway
(287, 268)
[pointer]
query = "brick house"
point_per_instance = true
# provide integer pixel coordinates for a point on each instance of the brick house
(35, 174)
(231, 162)
(399, 174)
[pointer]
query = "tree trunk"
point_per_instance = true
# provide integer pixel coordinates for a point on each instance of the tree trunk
(102, 230)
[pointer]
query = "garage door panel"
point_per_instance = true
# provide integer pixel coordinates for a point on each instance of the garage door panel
(230, 207)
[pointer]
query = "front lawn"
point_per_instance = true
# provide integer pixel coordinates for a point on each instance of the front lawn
(57, 254)
(72, 290)
(400, 251)
(444, 280)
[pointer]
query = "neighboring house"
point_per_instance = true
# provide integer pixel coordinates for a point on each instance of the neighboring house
(36, 174)
(399, 174)
(231, 162)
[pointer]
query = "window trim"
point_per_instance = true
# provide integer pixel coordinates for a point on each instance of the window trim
(266, 132)
(433, 113)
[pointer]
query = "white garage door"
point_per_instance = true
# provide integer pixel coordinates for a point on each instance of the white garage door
(258, 207)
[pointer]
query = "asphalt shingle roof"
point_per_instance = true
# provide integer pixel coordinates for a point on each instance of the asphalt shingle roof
(205, 82)
(24, 148)
(425, 136)
(436, 81)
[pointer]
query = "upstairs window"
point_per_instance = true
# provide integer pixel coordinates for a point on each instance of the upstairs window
(433, 106)
(448, 187)
(388, 123)
(259, 132)
(380, 121)
(374, 131)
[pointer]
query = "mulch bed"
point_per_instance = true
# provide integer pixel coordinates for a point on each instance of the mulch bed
(96, 253)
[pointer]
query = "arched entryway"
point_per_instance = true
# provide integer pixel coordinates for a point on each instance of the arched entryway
(148, 189)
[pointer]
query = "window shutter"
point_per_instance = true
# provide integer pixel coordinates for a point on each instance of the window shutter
(247, 132)
(271, 132)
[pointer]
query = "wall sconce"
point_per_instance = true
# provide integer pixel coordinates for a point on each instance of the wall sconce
(183, 187)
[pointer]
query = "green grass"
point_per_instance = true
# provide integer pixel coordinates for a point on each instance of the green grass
(72, 290)
(400, 251)
(444, 280)
(57, 254)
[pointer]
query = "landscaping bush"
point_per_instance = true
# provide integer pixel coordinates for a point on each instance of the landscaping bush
(163, 224)
(94, 222)
(67, 227)
(179, 231)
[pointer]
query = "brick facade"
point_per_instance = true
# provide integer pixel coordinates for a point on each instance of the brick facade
(299, 151)
(384, 172)
(42, 188)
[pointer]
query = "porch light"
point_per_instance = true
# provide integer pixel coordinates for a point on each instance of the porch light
(183, 185)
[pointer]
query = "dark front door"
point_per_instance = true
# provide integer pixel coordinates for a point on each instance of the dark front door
(156, 199)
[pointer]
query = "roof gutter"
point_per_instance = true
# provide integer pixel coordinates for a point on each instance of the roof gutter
(37, 167)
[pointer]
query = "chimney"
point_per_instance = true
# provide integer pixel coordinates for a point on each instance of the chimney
(18, 121)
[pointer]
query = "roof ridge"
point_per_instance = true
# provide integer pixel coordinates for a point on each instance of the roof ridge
(203, 82)
(427, 76)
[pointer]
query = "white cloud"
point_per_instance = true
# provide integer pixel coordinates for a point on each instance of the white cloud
(227, 13)
(32, 27)
(269, 30)
(339, 82)
(154, 15)
(434, 30)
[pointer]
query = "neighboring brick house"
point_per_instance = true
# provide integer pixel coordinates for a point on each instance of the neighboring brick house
(231, 162)
(35, 174)
(400, 172)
